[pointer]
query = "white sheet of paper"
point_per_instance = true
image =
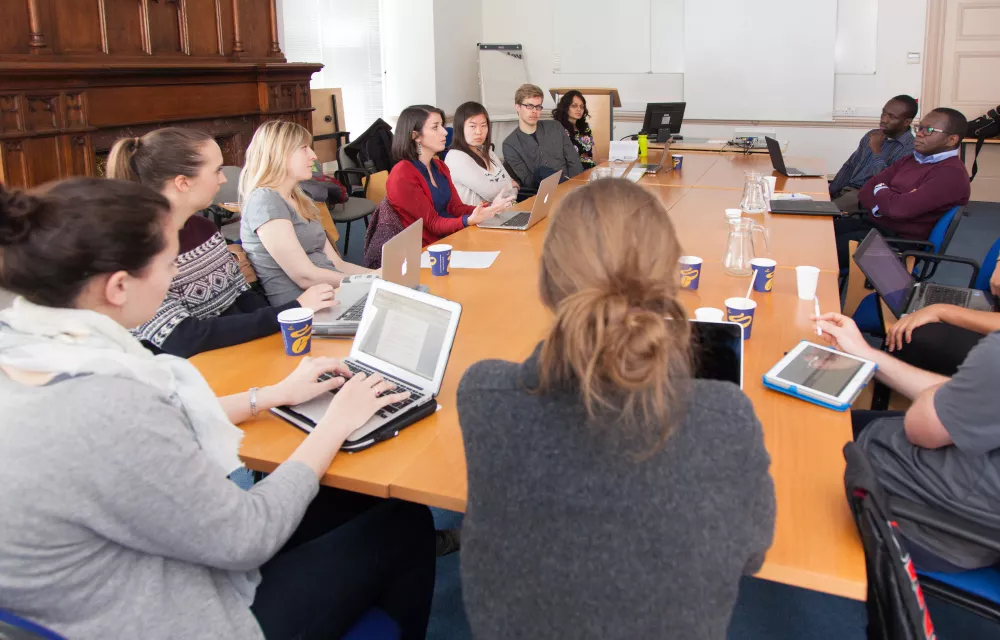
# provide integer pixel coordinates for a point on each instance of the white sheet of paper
(401, 340)
(624, 150)
(464, 259)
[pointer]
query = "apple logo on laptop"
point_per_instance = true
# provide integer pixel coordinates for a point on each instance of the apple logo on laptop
(403, 269)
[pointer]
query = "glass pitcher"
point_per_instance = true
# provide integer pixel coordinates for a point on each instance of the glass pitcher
(756, 193)
(740, 249)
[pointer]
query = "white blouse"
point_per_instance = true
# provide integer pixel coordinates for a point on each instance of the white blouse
(473, 183)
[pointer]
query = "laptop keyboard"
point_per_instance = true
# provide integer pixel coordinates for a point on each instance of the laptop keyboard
(519, 220)
(353, 314)
(388, 410)
(936, 294)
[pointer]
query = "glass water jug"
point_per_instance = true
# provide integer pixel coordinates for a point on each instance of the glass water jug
(740, 249)
(756, 193)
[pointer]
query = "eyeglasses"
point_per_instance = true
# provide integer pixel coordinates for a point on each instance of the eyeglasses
(531, 107)
(919, 128)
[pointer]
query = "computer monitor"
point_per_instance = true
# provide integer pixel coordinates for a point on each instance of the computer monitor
(663, 115)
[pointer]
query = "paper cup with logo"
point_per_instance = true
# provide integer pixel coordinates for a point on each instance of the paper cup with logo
(678, 162)
(690, 267)
(764, 268)
(296, 330)
(806, 279)
(440, 258)
(740, 311)
(709, 314)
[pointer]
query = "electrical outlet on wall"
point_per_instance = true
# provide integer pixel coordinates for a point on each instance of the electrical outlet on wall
(845, 112)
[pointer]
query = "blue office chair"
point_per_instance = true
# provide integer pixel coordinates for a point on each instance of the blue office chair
(25, 628)
(895, 603)
(374, 625)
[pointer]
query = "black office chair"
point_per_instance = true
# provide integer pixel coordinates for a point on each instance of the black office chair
(895, 603)
(358, 207)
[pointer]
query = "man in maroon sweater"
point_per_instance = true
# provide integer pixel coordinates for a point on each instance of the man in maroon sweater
(909, 197)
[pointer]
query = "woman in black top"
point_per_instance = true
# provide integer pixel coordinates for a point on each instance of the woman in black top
(610, 494)
(571, 113)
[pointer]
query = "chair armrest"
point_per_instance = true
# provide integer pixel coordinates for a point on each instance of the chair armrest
(336, 135)
(936, 258)
(912, 245)
(343, 175)
(946, 523)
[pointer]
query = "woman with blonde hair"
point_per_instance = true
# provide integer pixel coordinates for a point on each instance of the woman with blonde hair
(209, 304)
(645, 491)
(280, 228)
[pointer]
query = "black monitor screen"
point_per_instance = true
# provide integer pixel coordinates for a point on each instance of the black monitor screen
(663, 114)
(718, 351)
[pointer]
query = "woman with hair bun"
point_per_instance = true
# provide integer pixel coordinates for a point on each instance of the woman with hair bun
(645, 493)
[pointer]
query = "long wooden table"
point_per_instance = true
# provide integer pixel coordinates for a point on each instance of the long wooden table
(815, 546)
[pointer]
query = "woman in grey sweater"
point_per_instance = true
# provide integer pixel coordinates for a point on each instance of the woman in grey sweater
(610, 494)
(118, 518)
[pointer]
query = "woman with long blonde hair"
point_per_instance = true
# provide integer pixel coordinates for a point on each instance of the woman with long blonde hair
(280, 228)
(645, 492)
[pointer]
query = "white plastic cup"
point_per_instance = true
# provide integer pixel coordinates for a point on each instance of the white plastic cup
(734, 213)
(806, 279)
(709, 314)
(772, 182)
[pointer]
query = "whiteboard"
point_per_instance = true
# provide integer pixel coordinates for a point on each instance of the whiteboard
(666, 34)
(594, 36)
(857, 36)
(501, 72)
(766, 60)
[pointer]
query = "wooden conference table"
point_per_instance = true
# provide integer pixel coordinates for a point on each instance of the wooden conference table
(815, 545)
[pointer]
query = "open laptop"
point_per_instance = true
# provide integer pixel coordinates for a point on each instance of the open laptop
(900, 290)
(655, 168)
(406, 336)
(778, 162)
(524, 220)
(400, 264)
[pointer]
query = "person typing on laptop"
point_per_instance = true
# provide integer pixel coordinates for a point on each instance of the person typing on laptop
(908, 198)
(538, 148)
(879, 148)
(944, 451)
(420, 186)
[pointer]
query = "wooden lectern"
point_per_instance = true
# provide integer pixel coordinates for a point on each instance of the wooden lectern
(601, 102)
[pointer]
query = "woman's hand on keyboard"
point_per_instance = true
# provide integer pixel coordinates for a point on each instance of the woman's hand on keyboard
(303, 384)
(358, 400)
(316, 297)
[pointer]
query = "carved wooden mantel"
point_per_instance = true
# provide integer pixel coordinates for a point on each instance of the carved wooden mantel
(75, 75)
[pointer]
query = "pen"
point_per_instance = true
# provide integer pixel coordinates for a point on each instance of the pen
(819, 331)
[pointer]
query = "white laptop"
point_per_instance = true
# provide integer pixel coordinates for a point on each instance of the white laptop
(524, 220)
(400, 264)
(405, 335)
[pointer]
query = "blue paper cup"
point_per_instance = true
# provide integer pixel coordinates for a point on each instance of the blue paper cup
(678, 163)
(296, 330)
(765, 274)
(690, 268)
(440, 258)
(740, 311)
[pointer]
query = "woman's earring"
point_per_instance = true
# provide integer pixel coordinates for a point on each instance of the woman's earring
(420, 149)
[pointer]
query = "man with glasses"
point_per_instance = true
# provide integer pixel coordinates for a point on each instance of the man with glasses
(537, 149)
(908, 198)
(879, 148)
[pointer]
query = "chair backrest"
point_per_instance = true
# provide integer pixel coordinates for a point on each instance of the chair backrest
(376, 186)
(944, 229)
(384, 226)
(895, 603)
(17, 628)
(344, 161)
(229, 192)
(327, 221)
(989, 263)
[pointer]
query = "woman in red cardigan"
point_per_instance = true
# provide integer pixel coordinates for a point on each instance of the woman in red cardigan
(420, 186)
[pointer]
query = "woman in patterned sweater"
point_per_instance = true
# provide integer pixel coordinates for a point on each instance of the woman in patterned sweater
(572, 114)
(209, 304)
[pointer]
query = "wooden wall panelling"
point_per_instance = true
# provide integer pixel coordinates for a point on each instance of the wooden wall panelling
(167, 27)
(77, 155)
(204, 29)
(225, 11)
(14, 27)
(11, 114)
(255, 23)
(126, 28)
(74, 30)
(115, 106)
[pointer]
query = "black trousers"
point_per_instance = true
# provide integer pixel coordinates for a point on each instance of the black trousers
(853, 228)
(938, 347)
(351, 553)
(923, 559)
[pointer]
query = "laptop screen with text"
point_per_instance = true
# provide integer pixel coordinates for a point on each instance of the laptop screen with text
(406, 333)
(885, 271)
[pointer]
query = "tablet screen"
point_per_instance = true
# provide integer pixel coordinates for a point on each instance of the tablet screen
(821, 370)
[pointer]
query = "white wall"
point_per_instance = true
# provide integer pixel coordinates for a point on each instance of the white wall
(408, 58)
(458, 28)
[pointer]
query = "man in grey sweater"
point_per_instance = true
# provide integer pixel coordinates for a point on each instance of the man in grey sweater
(536, 150)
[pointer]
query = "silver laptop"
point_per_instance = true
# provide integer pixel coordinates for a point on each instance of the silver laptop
(655, 168)
(405, 335)
(400, 264)
(900, 290)
(778, 162)
(524, 220)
